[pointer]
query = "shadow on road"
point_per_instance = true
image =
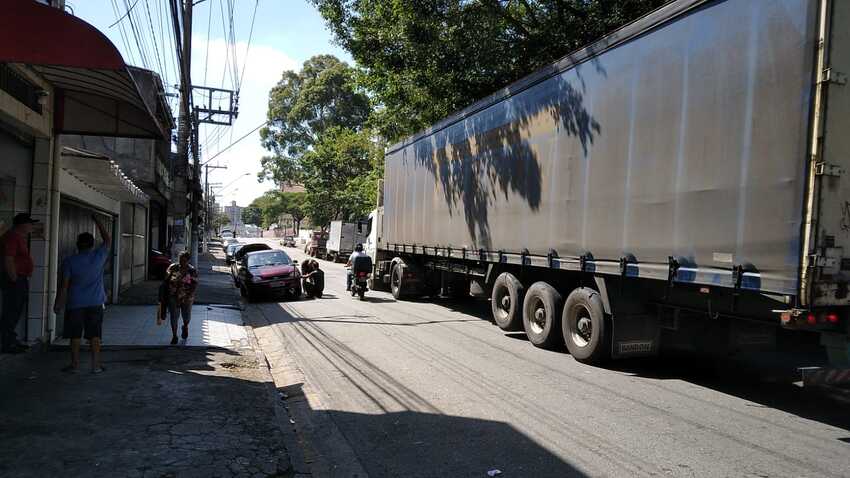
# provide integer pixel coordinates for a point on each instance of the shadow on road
(743, 379)
(414, 443)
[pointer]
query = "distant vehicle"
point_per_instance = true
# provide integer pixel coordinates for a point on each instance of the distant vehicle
(229, 240)
(268, 272)
(342, 238)
(158, 262)
(317, 245)
(230, 250)
(240, 254)
(288, 241)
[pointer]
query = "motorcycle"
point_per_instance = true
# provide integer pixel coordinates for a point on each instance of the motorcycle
(359, 284)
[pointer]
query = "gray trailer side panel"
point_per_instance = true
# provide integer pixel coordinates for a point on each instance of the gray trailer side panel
(688, 140)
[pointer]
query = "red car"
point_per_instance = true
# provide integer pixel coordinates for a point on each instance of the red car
(158, 262)
(268, 272)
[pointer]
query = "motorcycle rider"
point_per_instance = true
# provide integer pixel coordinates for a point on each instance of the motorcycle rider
(358, 252)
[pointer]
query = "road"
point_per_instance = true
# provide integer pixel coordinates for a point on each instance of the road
(385, 388)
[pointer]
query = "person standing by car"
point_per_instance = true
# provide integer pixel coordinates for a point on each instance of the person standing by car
(17, 268)
(182, 280)
(82, 296)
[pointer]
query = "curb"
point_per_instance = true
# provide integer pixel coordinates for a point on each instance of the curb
(297, 462)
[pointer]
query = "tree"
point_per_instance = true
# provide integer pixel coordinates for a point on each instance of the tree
(293, 204)
(273, 204)
(424, 60)
(302, 106)
(220, 220)
(341, 173)
(252, 215)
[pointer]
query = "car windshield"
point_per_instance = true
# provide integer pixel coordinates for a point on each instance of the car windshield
(268, 259)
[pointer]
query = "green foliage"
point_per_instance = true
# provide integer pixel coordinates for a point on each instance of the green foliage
(220, 220)
(341, 173)
(317, 136)
(273, 204)
(425, 59)
(302, 106)
(252, 215)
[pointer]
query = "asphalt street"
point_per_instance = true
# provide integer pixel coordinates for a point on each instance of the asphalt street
(435, 389)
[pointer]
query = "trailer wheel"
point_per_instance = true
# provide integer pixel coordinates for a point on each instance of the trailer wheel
(541, 315)
(585, 331)
(395, 281)
(506, 302)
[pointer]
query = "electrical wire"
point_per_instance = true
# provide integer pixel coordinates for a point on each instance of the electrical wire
(153, 36)
(235, 142)
(207, 56)
(248, 48)
(130, 9)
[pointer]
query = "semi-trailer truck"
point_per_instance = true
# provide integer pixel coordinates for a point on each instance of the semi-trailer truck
(681, 182)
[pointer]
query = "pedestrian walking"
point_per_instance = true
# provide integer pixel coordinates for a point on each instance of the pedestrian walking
(17, 269)
(182, 280)
(82, 296)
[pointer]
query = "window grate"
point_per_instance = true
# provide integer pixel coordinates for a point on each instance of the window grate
(19, 88)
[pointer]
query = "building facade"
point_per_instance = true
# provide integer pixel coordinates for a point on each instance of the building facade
(61, 80)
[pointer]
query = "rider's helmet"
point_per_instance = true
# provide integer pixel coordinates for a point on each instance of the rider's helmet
(358, 248)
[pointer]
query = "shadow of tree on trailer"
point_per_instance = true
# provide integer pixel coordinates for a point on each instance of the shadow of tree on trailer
(492, 153)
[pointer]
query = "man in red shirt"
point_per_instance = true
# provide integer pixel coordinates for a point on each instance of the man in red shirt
(17, 269)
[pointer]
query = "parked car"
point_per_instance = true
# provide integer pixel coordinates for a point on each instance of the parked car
(288, 241)
(158, 262)
(240, 254)
(229, 251)
(268, 272)
(229, 240)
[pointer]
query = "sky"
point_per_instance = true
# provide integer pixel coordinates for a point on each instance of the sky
(285, 34)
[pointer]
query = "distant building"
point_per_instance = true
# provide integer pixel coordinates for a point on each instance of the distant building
(292, 188)
(234, 213)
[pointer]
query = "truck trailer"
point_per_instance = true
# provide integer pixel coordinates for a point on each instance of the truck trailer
(680, 182)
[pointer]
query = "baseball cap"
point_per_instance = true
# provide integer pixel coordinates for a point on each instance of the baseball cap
(23, 218)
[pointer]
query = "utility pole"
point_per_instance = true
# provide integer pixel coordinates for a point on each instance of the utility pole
(208, 222)
(185, 126)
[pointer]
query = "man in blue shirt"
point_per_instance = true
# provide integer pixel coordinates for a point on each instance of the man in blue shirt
(82, 296)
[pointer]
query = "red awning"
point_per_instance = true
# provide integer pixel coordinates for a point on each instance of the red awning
(96, 92)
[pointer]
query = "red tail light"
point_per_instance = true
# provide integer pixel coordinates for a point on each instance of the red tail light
(811, 319)
(362, 274)
(832, 318)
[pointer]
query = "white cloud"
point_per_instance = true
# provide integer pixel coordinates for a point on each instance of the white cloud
(264, 67)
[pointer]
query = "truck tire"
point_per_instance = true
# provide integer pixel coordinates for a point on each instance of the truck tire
(396, 284)
(541, 315)
(506, 302)
(586, 333)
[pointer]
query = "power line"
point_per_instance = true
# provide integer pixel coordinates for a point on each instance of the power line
(124, 36)
(248, 48)
(125, 14)
(153, 37)
(207, 56)
(235, 142)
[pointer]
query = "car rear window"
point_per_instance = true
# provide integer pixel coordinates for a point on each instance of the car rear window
(268, 259)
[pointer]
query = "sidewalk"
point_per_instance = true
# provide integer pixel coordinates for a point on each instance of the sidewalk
(206, 409)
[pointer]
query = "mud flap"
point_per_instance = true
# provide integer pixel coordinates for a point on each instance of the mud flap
(635, 335)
